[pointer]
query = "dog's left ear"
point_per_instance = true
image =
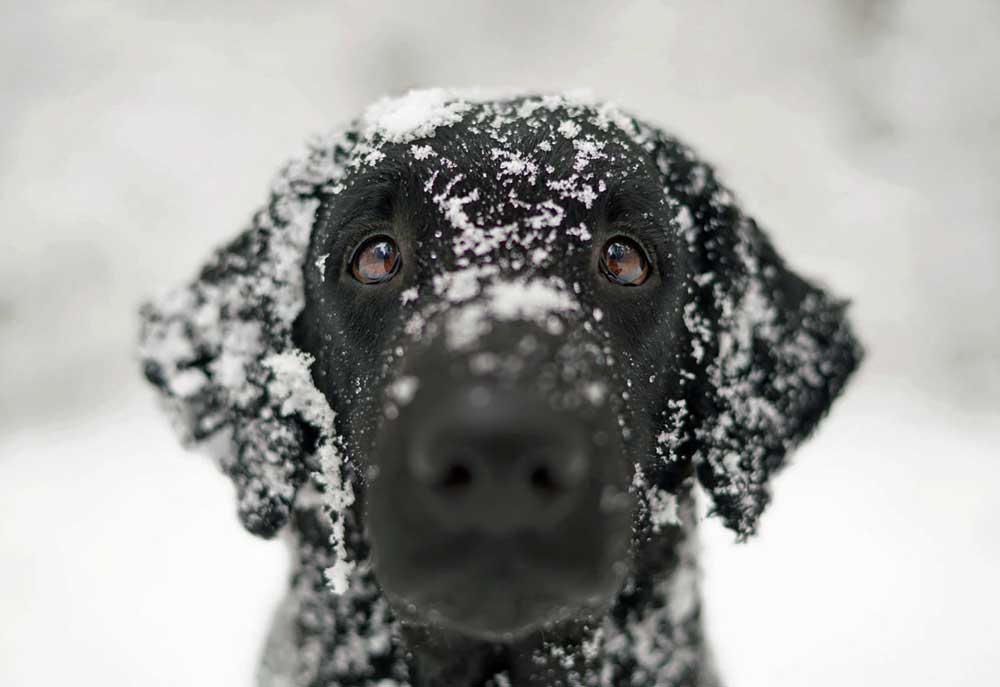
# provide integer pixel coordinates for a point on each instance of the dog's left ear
(769, 350)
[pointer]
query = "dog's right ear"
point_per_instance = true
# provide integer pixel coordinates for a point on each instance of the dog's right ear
(222, 355)
(220, 352)
(205, 347)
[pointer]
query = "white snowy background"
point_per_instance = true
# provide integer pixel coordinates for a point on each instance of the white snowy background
(865, 134)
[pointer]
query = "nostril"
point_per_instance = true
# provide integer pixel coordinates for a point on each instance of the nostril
(543, 481)
(456, 476)
(447, 470)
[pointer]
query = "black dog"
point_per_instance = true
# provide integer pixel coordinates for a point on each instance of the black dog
(477, 353)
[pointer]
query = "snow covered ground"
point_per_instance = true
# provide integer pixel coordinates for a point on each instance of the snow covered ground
(123, 563)
(863, 133)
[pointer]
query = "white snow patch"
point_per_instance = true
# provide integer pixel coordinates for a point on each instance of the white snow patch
(404, 389)
(595, 392)
(415, 115)
(421, 152)
(461, 285)
(535, 300)
(580, 231)
(293, 385)
(528, 299)
(321, 265)
(569, 129)
(187, 382)
(409, 295)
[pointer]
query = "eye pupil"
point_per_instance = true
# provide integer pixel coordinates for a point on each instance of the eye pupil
(624, 262)
(376, 261)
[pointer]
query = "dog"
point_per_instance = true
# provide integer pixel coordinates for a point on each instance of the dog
(471, 360)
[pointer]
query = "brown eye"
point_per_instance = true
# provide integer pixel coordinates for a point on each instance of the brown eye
(376, 260)
(624, 262)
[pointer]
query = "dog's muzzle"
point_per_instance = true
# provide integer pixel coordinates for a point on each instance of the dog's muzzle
(498, 496)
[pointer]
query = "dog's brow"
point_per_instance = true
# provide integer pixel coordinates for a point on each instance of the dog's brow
(373, 200)
(628, 202)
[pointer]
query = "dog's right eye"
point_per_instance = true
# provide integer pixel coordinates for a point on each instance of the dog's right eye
(624, 262)
(376, 260)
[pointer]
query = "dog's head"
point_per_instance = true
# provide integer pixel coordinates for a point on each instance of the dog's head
(507, 334)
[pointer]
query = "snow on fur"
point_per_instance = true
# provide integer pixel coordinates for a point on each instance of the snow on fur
(220, 351)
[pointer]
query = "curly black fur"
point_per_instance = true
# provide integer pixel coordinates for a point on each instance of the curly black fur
(717, 371)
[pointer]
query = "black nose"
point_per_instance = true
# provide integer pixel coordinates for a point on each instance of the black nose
(500, 469)
(485, 485)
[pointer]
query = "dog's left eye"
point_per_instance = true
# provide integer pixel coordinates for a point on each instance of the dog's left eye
(624, 262)
(376, 260)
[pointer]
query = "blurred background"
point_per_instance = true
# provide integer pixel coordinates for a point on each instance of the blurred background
(865, 134)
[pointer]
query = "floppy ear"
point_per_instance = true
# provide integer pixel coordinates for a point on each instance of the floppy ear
(769, 350)
(220, 352)
(204, 347)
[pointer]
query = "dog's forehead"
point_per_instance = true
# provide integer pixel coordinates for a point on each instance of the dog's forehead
(506, 198)
(522, 180)
(522, 166)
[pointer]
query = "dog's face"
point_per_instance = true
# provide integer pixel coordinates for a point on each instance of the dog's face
(496, 324)
(500, 323)
(537, 322)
